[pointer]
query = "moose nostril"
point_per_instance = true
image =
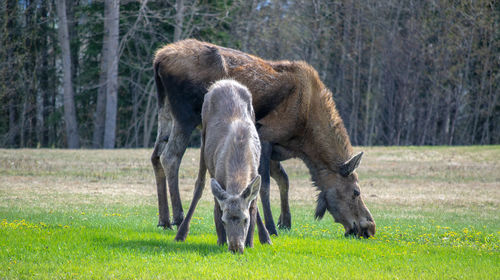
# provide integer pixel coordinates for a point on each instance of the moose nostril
(356, 192)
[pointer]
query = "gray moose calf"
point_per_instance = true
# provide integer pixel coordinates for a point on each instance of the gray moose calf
(230, 150)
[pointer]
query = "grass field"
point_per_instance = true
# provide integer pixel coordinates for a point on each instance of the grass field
(92, 214)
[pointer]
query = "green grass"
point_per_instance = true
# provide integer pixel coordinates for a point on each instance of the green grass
(92, 215)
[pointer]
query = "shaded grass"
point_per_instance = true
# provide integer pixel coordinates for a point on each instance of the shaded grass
(92, 214)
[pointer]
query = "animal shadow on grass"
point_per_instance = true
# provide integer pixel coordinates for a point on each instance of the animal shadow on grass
(154, 245)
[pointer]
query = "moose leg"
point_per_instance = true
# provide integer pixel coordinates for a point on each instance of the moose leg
(281, 178)
(164, 215)
(171, 160)
(198, 191)
(264, 237)
(219, 227)
(265, 158)
(251, 227)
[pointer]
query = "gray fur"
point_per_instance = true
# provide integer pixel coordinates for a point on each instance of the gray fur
(230, 151)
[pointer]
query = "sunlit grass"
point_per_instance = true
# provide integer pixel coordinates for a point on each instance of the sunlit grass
(122, 242)
(92, 215)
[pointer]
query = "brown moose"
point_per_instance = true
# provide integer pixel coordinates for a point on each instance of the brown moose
(294, 111)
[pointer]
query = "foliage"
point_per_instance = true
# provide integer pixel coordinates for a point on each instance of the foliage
(401, 72)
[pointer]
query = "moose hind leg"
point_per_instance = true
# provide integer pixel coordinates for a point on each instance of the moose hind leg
(171, 161)
(265, 159)
(279, 175)
(164, 215)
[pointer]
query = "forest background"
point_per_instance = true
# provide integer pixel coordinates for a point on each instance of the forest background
(79, 73)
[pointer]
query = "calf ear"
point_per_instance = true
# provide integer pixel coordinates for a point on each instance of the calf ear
(349, 166)
(250, 193)
(321, 207)
(219, 193)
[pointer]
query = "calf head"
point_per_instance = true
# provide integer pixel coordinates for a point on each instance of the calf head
(341, 196)
(235, 212)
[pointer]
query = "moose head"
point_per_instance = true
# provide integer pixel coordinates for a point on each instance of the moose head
(341, 196)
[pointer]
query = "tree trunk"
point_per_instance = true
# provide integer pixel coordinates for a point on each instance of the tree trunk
(179, 19)
(8, 76)
(74, 41)
(100, 111)
(73, 139)
(42, 72)
(112, 21)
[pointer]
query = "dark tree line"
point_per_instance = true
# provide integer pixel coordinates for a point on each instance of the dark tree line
(402, 72)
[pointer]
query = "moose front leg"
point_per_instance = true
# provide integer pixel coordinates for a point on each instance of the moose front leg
(265, 158)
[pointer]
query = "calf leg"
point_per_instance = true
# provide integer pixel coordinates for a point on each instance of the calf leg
(171, 160)
(265, 158)
(281, 178)
(251, 228)
(161, 187)
(198, 190)
(219, 227)
(264, 237)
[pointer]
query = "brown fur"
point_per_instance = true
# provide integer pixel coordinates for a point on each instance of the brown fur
(293, 108)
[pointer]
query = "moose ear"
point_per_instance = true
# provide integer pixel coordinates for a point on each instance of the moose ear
(250, 193)
(219, 193)
(349, 166)
(321, 207)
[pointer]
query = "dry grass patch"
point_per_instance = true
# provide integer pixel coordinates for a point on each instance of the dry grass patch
(457, 177)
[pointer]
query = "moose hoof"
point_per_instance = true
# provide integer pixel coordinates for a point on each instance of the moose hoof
(283, 226)
(284, 223)
(178, 220)
(272, 229)
(164, 225)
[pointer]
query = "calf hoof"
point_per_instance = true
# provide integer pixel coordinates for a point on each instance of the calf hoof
(268, 241)
(284, 222)
(178, 219)
(265, 240)
(180, 237)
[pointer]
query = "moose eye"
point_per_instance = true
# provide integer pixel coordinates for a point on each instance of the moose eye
(245, 220)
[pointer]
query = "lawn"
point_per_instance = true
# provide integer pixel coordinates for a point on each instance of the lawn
(92, 214)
